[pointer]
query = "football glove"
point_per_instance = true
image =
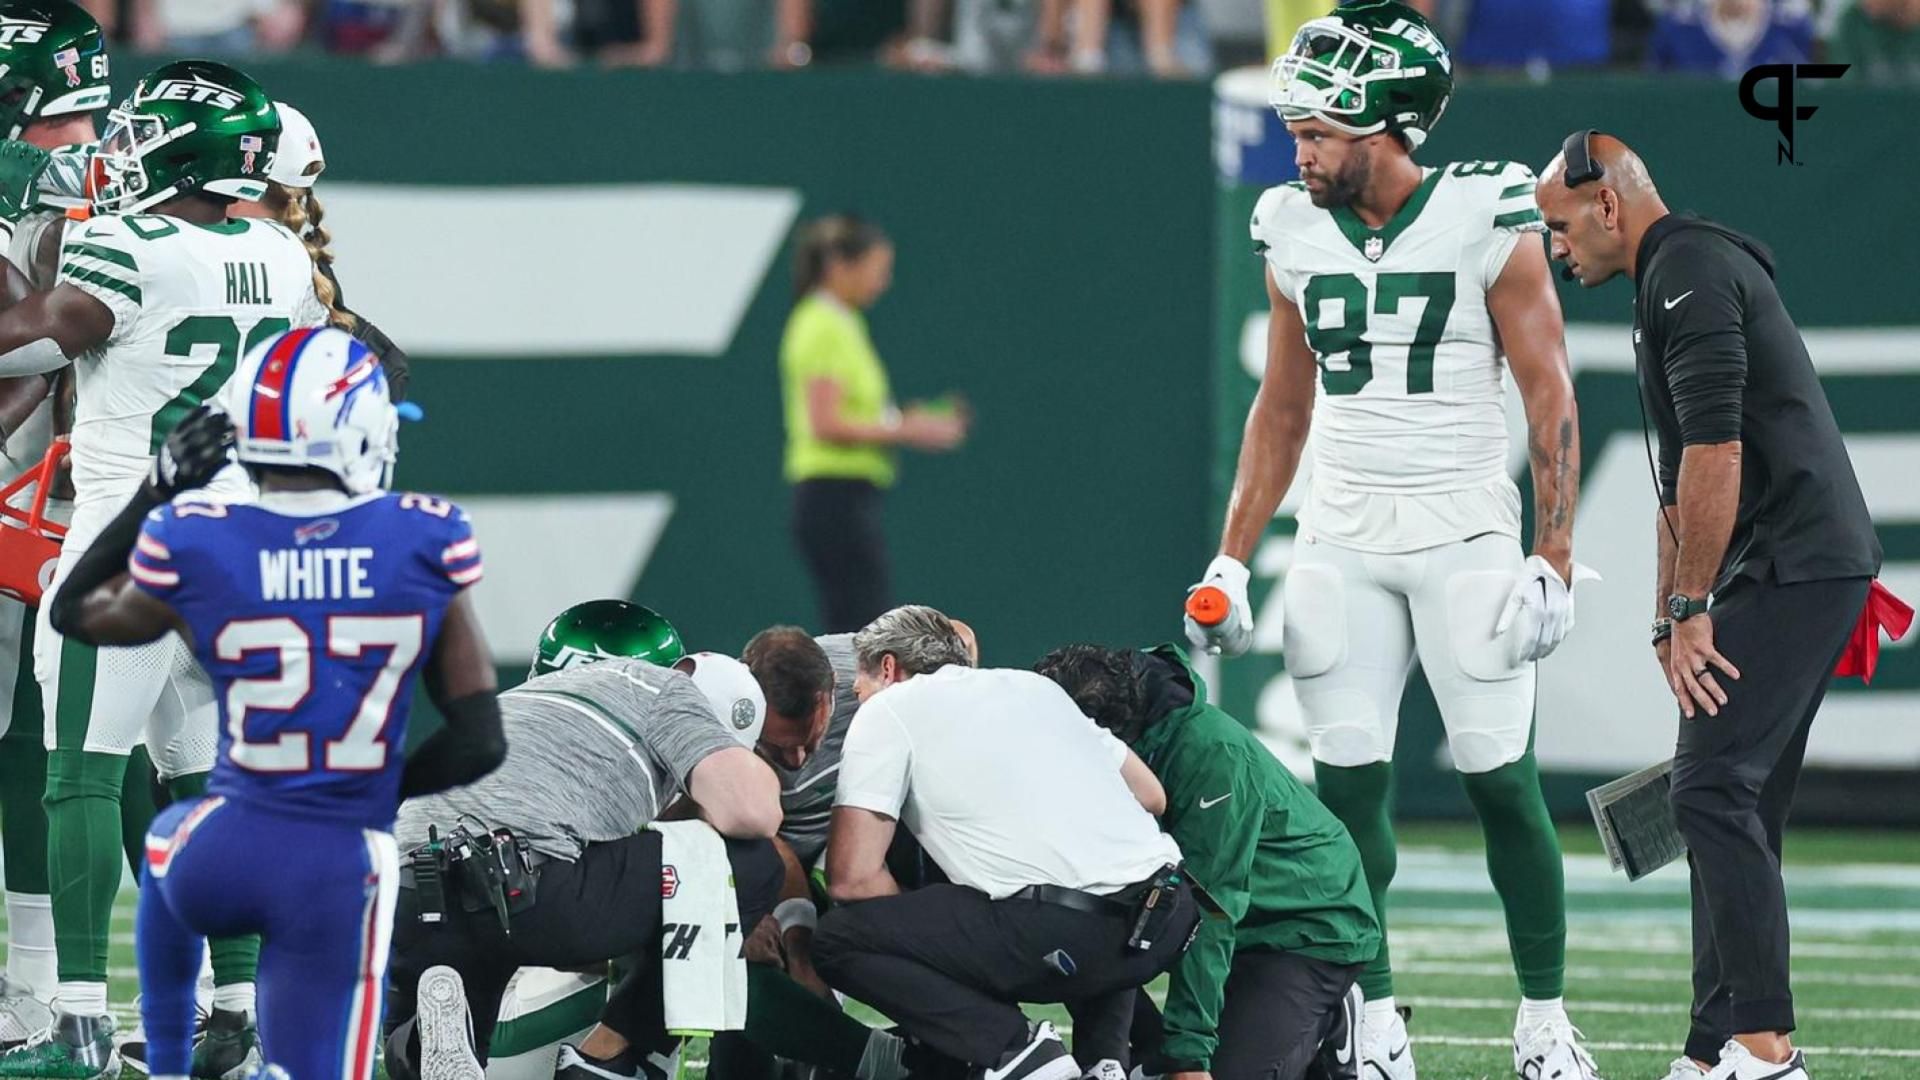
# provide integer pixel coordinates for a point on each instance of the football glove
(1219, 616)
(21, 166)
(193, 454)
(1546, 600)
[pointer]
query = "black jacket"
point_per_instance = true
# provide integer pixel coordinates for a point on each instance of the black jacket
(1719, 359)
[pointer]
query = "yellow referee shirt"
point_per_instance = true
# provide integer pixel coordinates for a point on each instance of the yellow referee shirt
(825, 339)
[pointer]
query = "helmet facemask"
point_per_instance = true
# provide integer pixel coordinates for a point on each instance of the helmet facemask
(121, 183)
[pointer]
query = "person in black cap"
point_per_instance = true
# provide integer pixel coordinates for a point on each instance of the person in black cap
(1766, 555)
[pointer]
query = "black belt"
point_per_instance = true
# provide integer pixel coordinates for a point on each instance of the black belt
(1119, 903)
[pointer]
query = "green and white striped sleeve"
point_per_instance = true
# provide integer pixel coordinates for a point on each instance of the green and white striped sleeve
(1513, 206)
(98, 259)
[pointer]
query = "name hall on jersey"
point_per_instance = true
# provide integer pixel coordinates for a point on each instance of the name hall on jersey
(247, 283)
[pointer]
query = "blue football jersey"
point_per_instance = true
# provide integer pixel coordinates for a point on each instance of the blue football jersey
(313, 628)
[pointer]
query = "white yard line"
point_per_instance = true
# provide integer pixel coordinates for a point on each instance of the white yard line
(1493, 942)
(1578, 1006)
(1815, 1051)
(1674, 975)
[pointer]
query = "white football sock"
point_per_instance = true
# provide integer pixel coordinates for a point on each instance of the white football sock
(81, 998)
(30, 957)
(1535, 1010)
(1379, 1013)
(234, 997)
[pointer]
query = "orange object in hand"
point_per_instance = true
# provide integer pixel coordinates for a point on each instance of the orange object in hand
(1208, 605)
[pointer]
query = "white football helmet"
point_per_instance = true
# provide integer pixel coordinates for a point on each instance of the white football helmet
(315, 398)
(299, 161)
(733, 692)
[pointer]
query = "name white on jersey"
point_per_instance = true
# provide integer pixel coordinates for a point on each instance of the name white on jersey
(187, 300)
(1409, 426)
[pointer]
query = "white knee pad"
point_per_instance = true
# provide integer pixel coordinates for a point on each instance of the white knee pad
(1351, 710)
(1485, 692)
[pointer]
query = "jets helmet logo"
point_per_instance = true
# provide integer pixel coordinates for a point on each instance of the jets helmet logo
(21, 31)
(195, 90)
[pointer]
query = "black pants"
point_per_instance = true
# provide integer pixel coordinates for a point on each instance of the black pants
(951, 967)
(605, 906)
(837, 527)
(1279, 1009)
(1733, 780)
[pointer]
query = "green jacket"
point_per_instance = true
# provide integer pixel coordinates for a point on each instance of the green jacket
(1281, 866)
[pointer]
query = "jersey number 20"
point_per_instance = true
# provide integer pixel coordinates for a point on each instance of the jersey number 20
(363, 747)
(1390, 290)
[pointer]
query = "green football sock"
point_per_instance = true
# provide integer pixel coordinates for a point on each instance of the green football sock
(1523, 859)
(787, 1020)
(136, 807)
(23, 783)
(83, 857)
(1362, 798)
(235, 959)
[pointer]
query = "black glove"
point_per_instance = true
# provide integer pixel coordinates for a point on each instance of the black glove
(193, 455)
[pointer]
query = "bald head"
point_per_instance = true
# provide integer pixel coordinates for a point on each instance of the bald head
(1596, 227)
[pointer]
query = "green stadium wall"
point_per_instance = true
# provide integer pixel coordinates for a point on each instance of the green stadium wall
(590, 270)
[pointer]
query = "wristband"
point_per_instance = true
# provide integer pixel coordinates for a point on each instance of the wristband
(1662, 630)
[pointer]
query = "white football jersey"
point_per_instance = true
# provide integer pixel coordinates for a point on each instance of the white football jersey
(188, 301)
(26, 445)
(1409, 431)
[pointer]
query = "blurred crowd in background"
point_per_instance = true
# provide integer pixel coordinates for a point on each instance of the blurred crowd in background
(1157, 38)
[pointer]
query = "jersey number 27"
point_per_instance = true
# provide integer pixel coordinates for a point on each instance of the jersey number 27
(1390, 291)
(362, 747)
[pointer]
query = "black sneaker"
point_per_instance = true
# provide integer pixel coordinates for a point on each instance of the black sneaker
(1042, 1057)
(574, 1063)
(1339, 1054)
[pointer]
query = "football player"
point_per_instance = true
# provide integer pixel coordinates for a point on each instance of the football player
(312, 610)
(158, 296)
(1403, 292)
(54, 84)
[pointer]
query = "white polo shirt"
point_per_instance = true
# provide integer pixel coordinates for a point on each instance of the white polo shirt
(1003, 781)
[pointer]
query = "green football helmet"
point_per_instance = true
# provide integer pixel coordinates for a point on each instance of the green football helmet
(192, 125)
(601, 629)
(1365, 68)
(53, 62)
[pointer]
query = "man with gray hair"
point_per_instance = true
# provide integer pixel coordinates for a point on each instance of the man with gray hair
(1063, 887)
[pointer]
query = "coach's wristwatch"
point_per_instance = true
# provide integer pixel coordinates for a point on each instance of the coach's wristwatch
(1681, 608)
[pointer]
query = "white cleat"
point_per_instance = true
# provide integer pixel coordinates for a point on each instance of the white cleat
(1551, 1050)
(445, 1028)
(22, 1014)
(1737, 1063)
(1386, 1053)
(1684, 1068)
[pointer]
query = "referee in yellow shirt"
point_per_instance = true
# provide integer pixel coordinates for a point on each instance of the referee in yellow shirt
(842, 426)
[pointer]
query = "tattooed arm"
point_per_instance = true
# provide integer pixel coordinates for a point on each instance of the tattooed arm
(1526, 313)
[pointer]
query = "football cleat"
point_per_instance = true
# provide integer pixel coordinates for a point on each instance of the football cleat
(1339, 1054)
(71, 1048)
(1551, 1050)
(227, 1047)
(1386, 1051)
(21, 1013)
(445, 1028)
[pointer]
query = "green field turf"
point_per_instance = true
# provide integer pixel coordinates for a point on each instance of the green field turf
(1856, 908)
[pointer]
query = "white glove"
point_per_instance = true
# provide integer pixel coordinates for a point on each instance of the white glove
(1233, 634)
(1540, 592)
